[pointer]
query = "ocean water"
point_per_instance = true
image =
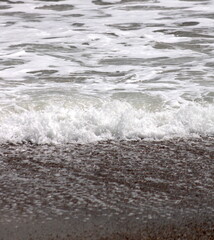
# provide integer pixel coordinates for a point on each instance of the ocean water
(106, 119)
(83, 71)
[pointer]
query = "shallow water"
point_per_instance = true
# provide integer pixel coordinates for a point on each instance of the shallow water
(106, 117)
(82, 71)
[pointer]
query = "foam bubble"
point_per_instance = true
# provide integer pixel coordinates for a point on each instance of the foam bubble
(153, 57)
(110, 120)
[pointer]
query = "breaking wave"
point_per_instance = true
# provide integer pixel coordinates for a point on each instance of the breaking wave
(115, 120)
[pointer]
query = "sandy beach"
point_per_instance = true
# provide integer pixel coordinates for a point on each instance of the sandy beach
(112, 228)
(107, 120)
(108, 190)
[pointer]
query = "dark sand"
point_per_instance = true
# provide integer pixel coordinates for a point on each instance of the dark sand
(108, 190)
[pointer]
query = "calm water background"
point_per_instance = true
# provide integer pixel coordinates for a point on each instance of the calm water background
(82, 71)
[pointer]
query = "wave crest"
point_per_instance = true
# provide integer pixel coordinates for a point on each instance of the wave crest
(111, 120)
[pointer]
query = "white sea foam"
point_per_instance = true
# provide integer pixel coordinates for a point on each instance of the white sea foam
(80, 71)
(109, 120)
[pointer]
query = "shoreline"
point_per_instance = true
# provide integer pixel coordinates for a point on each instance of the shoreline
(107, 191)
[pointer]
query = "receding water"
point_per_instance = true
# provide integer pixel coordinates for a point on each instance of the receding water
(162, 189)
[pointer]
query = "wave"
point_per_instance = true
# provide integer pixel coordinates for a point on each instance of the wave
(111, 120)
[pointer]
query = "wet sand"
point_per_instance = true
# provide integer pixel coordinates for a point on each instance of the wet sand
(108, 190)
